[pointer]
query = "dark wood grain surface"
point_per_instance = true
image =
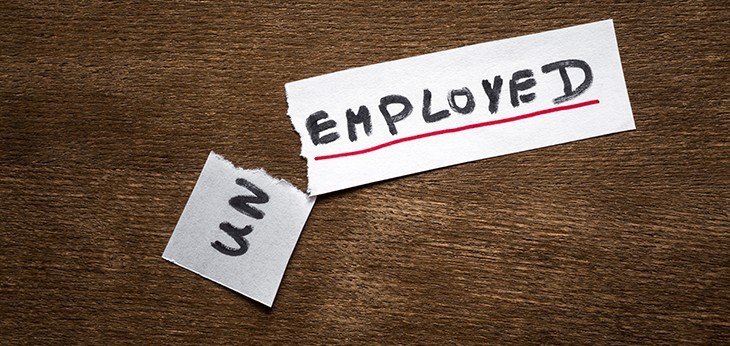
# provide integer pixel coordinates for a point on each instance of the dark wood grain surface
(108, 111)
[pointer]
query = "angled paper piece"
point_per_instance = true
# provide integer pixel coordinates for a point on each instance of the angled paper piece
(239, 228)
(406, 116)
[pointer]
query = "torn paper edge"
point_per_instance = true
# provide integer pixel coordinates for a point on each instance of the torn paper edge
(307, 196)
(302, 136)
(261, 170)
(312, 199)
(289, 113)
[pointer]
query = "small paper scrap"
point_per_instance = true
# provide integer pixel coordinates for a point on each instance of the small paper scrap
(412, 115)
(239, 228)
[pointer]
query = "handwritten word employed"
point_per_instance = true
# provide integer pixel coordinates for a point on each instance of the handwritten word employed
(395, 118)
(520, 82)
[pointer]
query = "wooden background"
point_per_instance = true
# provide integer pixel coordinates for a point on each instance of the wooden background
(108, 111)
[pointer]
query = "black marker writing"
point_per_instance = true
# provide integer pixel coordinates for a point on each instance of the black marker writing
(520, 82)
(493, 90)
(427, 116)
(315, 128)
(515, 86)
(241, 204)
(238, 235)
(392, 119)
(567, 86)
(362, 117)
(469, 107)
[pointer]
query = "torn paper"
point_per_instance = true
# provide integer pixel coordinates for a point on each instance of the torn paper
(239, 228)
(406, 116)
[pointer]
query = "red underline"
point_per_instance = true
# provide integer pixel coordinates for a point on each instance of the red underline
(458, 129)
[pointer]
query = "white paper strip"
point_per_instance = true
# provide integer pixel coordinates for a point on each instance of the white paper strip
(406, 116)
(239, 228)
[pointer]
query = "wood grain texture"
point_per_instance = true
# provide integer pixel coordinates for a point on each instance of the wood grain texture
(108, 111)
